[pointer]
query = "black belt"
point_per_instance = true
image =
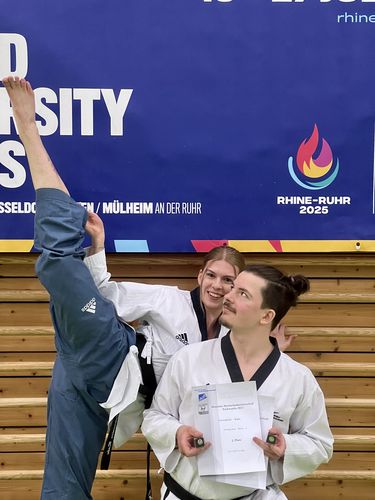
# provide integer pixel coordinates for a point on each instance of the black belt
(176, 489)
(179, 491)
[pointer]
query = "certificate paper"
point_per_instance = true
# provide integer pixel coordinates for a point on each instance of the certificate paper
(228, 416)
(256, 480)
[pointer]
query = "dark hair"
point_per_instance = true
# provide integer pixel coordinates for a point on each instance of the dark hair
(229, 254)
(281, 292)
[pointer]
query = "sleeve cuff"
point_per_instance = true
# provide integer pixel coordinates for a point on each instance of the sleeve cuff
(97, 265)
(95, 259)
(173, 457)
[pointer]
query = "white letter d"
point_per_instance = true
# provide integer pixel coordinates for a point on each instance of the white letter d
(7, 41)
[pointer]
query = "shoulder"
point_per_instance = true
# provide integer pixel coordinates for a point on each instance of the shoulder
(193, 351)
(299, 380)
(295, 368)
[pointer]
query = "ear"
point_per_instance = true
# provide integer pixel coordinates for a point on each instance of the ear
(267, 317)
(200, 277)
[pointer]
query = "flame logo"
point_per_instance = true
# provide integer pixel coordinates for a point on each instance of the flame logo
(316, 169)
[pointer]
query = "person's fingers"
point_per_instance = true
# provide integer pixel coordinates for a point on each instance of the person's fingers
(260, 443)
(289, 340)
(192, 451)
(198, 451)
(195, 433)
(275, 430)
(280, 329)
(269, 450)
(185, 441)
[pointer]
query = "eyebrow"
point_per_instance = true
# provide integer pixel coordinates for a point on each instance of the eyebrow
(245, 290)
(225, 275)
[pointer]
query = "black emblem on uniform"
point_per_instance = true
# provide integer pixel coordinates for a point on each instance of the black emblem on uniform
(182, 337)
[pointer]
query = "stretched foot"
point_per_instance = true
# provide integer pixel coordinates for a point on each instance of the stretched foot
(23, 102)
(43, 173)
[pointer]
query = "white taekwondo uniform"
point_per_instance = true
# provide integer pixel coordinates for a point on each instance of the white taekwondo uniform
(174, 317)
(299, 412)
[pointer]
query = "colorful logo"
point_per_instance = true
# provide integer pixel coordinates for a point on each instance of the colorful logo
(315, 163)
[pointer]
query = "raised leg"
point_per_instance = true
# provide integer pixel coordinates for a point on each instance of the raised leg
(42, 170)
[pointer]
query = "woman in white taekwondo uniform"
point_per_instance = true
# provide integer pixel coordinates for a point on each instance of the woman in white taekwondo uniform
(174, 318)
(261, 296)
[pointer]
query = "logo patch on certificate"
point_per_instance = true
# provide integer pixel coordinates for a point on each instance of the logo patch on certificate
(202, 403)
(203, 409)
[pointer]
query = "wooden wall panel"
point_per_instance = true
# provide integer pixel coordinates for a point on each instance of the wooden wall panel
(335, 324)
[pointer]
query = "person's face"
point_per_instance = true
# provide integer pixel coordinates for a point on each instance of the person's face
(216, 280)
(242, 308)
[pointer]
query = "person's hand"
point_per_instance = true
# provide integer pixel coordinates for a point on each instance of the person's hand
(184, 441)
(95, 229)
(273, 451)
(283, 341)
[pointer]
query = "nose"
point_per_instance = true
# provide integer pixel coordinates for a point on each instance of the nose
(217, 282)
(228, 296)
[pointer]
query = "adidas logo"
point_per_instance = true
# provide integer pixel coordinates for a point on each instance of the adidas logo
(182, 337)
(90, 307)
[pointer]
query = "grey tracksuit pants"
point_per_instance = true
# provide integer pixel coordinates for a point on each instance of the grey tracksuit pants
(91, 345)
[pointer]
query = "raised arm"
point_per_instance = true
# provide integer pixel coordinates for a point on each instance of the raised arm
(132, 301)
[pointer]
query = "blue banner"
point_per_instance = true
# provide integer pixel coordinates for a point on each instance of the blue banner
(184, 123)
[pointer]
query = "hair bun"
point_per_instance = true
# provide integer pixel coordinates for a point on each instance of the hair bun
(300, 283)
